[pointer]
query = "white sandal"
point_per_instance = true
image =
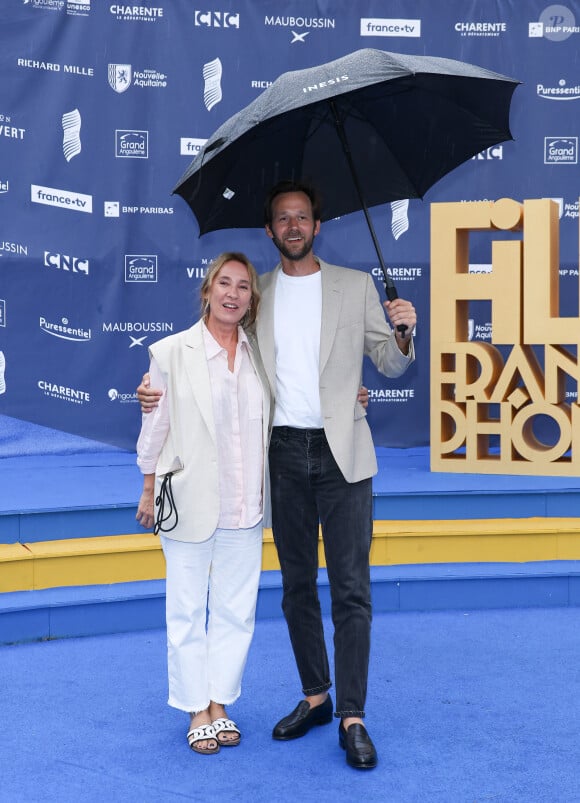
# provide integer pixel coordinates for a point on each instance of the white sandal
(223, 725)
(200, 734)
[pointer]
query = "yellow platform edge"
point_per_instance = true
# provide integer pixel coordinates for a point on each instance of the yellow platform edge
(127, 558)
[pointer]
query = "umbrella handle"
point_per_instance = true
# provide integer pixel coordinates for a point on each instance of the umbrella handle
(392, 294)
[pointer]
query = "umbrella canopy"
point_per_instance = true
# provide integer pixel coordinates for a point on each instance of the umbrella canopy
(366, 129)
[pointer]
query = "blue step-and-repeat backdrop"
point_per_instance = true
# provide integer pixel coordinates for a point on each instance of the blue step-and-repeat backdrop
(102, 107)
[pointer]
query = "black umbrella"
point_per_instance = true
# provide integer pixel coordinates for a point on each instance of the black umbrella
(369, 128)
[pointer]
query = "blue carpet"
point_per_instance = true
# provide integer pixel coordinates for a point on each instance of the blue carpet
(478, 706)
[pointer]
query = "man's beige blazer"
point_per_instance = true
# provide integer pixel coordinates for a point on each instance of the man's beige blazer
(353, 324)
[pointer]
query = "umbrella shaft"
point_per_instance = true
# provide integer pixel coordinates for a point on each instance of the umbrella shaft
(389, 284)
(390, 288)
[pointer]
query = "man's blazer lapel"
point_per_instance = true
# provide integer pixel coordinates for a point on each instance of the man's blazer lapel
(331, 306)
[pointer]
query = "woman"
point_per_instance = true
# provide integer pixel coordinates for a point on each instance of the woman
(202, 456)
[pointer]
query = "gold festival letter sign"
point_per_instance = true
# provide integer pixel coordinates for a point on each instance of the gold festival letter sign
(485, 402)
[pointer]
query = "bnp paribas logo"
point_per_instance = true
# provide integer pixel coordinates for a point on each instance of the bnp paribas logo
(120, 76)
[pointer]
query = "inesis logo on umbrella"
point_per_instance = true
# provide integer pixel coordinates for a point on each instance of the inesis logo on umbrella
(324, 84)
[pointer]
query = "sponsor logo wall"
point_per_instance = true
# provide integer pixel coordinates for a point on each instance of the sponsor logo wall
(98, 259)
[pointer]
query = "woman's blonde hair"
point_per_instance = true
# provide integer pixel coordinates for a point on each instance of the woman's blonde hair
(214, 268)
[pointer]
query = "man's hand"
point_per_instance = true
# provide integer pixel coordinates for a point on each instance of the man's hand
(148, 397)
(363, 396)
(401, 312)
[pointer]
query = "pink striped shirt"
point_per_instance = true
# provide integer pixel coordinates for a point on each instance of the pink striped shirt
(237, 411)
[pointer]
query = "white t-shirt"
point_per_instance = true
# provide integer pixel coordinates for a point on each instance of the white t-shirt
(297, 321)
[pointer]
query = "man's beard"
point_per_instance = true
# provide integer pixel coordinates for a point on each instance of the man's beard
(294, 256)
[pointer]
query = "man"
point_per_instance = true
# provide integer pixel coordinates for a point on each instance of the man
(315, 324)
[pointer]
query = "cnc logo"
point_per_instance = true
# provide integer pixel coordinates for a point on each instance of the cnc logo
(216, 19)
(489, 154)
(66, 263)
(131, 144)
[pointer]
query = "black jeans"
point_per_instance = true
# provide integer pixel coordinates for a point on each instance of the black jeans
(308, 488)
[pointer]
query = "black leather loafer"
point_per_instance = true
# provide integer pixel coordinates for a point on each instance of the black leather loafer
(360, 750)
(302, 719)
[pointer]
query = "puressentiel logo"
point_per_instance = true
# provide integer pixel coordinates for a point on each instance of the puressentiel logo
(373, 26)
(131, 144)
(64, 330)
(75, 201)
(560, 150)
(140, 268)
(560, 92)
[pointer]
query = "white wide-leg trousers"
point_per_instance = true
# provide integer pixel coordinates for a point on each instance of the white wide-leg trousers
(211, 595)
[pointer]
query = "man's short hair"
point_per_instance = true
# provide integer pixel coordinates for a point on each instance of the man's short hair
(289, 185)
